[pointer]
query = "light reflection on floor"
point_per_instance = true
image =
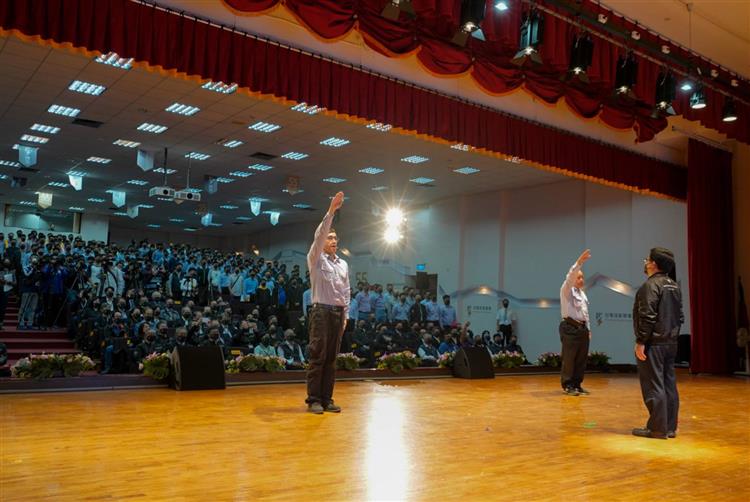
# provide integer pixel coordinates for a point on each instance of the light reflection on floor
(386, 459)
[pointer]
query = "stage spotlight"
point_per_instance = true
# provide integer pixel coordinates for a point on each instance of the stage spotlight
(581, 54)
(729, 114)
(698, 98)
(472, 14)
(394, 8)
(625, 77)
(665, 93)
(531, 36)
(394, 217)
(392, 235)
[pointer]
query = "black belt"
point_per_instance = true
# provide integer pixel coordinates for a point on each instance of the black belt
(575, 322)
(333, 308)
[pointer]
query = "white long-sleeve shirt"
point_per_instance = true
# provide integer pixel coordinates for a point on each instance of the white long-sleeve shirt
(573, 301)
(329, 275)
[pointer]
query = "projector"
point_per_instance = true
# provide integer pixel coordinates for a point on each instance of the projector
(187, 195)
(161, 192)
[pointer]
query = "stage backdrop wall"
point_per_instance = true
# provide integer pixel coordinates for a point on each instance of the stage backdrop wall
(520, 243)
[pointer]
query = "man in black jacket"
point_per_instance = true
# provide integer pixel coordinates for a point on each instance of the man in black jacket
(657, 317)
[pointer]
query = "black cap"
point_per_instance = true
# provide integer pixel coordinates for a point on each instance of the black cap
(664, 259)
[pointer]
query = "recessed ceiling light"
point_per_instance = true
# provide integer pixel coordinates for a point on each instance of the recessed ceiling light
(146, 206)
(114, 60)
(335, 142)
(63, 110)
(371, 170)
(76, 173)
(243, 218)
(466, 170)
(86, 88)
(197, 156)
(380, 188)
(308, 109)
(126, 143)
(96, 200)
(302, 206)
(220, 87)
(137, 182)
(240, 174)
(334, 179)
(58, 184)
(222, 179)
(421, 180)
(415, 159)
(34, 139)
(161, 170)
(380, 127)
(176, 220)
(153, 225)
(229, 206)
(264, 127)
(181, 109)
(233, 143)
(294, 156)
(9, 163)
(462, 147)
(45, 128)
(260, 167)
(99, 160)
(27, 203)
(152, 128)
(75, 208)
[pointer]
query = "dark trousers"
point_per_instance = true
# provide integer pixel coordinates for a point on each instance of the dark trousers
(325, 328)
(575, 351)
(506, 330)
(659, 387)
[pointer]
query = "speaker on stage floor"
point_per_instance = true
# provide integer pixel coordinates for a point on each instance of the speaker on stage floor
(473, 362)
(198, 368)
(683, 349)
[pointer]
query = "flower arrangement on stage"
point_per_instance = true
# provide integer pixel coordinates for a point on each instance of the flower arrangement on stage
(398, 361)
(156, 365)
(506, 359)
(251, 363)
(598, 359)
(446, 360)
(549, 360)
(348, 361)
(41, 366)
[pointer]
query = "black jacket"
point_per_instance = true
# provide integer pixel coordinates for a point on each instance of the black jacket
(657, 311)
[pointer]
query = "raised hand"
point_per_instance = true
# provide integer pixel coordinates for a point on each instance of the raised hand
(336, 202)
(584, 257)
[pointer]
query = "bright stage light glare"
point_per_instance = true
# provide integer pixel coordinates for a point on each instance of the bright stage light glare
(394, 217)
(392, 235)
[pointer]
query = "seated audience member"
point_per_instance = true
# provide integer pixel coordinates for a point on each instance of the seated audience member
(427, 351)
(214, 340)
(448, 344)
(265, 347)
(513, 345)
(149, 345)
(181, 338)
(497, 343)
(291, 351)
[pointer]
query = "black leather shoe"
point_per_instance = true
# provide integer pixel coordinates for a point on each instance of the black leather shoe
(571, 391)
(645, 433)
(315, 408)
(332, 408)
(583, 391)
(671, 434)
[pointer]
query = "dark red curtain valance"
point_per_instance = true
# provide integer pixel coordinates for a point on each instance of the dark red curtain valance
(174, 42)
(711, 259)
(489, 64)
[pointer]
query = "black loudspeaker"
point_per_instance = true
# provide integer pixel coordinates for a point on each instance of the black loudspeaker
(198, 368)
(683, 349)
(473, 362)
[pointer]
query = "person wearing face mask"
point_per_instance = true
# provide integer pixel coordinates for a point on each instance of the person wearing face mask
(162, 336)
(181, 338)
(291, 351)
(265, 347)
(7, 284)
(427, 351)
(149, 345)
(448, 344)
(657, 318)
(575, 329)
(213, 339)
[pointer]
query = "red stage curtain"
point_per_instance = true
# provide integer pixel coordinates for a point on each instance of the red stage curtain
(177, 43)
(711, 258)
(488, 61)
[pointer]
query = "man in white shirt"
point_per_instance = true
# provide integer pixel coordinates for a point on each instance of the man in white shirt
(505, 320)
(575, 329)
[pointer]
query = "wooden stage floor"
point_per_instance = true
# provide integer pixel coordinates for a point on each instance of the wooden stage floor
(512, 438)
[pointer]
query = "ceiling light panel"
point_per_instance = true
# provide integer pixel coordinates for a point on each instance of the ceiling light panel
(58, 184)
(308, 109)
(302, 206)
(75, 208)
(126, 143)
(335, 142)
(466, 170)
(161, 170)
(334, 179)
(377, 126)
(139, 183)
(219, 87)
(86, 88)
(260, 167)
(415, 159)
(421, 180)
(30, 138)
(229, 206)
(181, 109)
(197, 156)
(99, 160)
(240, 174)
(233, 143)
(65, 111)
(45, 128)
(96, 200)
(380, 188)
(152, 128)
(371, 170)
(264, 127)
(9, 163)
(114, 60)
(294, 156)
(222, 179)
